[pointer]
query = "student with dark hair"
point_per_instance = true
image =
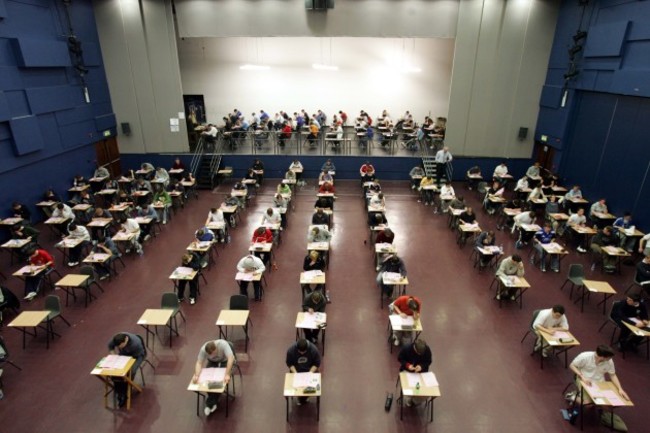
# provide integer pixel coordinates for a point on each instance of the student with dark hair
(126, 344)
(414, 358)
(19, 210)
(77, 232)
(392, 263)
(510, 266)
(303, 357)
(42, 259)
(315, 302)
(189, 260)
(405, 306)
(214, 354)
(549, 320)
(634, 312)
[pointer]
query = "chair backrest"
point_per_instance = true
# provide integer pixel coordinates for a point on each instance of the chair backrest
(4, 353)
(532, 320)
(169, 301)
(576, 271)
(482, 187)
(614, 305)
(53, 303)
(87, 270)
(232, 347)
(143, 345)
(239, 302)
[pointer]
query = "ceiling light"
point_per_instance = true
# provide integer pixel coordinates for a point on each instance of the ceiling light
(249, 67)
(322, 67)
(411, 70)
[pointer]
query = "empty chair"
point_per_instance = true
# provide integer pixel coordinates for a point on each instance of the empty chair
(88, 270)
(170, 301)
(4, 354)
(482, 188)
(239, 302)
(575, 277)
(53, 305)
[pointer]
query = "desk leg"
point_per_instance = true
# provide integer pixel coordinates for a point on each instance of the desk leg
(582, 408)
(286, 399)
(431, 416)
(227, 398)
(245, 327)
(318, 408)
(323, 334)
(401, 403)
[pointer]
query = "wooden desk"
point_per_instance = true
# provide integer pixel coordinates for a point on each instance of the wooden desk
(202, 389)
(156, 317)
(183, 273)
(305, 320)
(560, 341)
(234, 318)
(397, 323)
(14, 246)
(10, 222)
(555, 249)
(616, 252)
(398, 282)
(513, 282)
(294, 387)
(492, 251)
(428, 388)
(641, 332)
(71, 282)
(106, 375)
(603, 394)
(100, 222)
(595, 287)
(464, 230)
(33, 319)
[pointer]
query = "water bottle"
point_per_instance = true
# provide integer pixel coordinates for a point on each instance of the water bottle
(228, 241)
(417, 388)
(327, 297)
(501, 248)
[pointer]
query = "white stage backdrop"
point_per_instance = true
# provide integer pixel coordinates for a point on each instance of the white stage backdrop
(374, 74)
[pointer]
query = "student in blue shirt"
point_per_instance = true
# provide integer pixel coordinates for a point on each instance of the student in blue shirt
(620, 225)
(545, 236)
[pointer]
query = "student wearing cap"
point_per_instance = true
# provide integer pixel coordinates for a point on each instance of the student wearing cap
(251, 265)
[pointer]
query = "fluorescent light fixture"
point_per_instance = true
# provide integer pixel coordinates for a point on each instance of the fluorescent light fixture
(321, 67)
(411, 70)
(249, 67)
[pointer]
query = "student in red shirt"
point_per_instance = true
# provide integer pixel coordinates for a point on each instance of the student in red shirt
(405, 306)
(262, 235)
(40, 258)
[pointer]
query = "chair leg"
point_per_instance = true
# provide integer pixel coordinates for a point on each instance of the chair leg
(603, 325)
(525, 335)
(64, 319)
(99, 286)
(564, 284)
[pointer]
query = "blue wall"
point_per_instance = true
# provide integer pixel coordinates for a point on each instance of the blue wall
(47, 130)
(601, 134)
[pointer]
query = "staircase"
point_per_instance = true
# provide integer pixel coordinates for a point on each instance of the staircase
(430, 166)
(204, 165)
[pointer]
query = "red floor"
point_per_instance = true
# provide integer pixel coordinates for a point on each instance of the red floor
(488, 379)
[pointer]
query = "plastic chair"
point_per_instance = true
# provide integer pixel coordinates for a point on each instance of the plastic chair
(235, 365)
(240, 302)
(53, 305)
(531, 330)
(146, 360)
(170, 301)
(88, 270)
(4, 354)
(482, 188)
(611, 320)
(644, 286)
(575, 277)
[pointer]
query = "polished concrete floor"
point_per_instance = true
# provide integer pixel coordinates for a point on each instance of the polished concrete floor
(488, 379)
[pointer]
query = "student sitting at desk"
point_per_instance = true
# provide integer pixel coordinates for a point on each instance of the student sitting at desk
(425, 193)
(552, 206)
(77, 232)
(392, 263)
(19, 210)
(162, 176)
(258, 168)
(377, 201)
(326, 188)
(193, 261)
(24, 231)
(216, 216)
(320, 218)
(290, 175)
(524, 218)
(336, 135)
(297, 167)
(473, 177)
(262, 235)
(325, 202)
(280, 202)
(633, 311)
(386, 236)
(250, 264)
(642, 276)
(447, 195)
(549, 320)
(126, 344)
(148, 167)
(537, 194)
(590, 368)
(405, 306)
(313, 133)
(131, 226)
(414, 358)
(162, 198)
(545, 236)
(573, 193)
(37, 257)
(319, 234)
(522, 186)
(367, 169)
(283, 188)
(325, 176)
(605, 238)
(578, 219)
(142, 185)
(101, 172)
(533, 171)
(314, 302)
(495, 191)
(599, 207)
(204, 234)
(285, 134)
(510, 266)
(64, 212)
(500, 172)
(303, 357)
(376, 219)
(416, 174)
(620, 225)
(79, 180)
(105, 245)
(485, 239)
(644, 246)
(214, 354)
(178, 164)
(146, 211)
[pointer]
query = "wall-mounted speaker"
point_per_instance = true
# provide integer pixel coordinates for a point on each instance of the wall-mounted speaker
(126, 128)
(523, 133)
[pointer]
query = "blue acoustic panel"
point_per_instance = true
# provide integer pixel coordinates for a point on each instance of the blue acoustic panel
(74, 115)
(5, 132)
(78, 134)
(551, 96)
(3, 9)
(18, 105)
(91, 53)
(631, 82)
(602, 64)
(34, 53)
(5, 113)
(606, 40)
(55, 98)
(105, 122)
(639, 31)
(10, 78)
(26, 134)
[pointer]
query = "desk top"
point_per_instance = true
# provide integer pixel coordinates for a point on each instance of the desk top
(615, 251)
(399, 323)
(306, 320)
(511, 212)
(318, 246)
(228, 209)
(295, 384)
(123, 236)
(385, 248)
(469, 228)
(29, 270)
(312, 277)
(29, 319)
(55, 220)
(72, 280)
(202, 385)
(248, 276)
(261, 247)
(559, 216)
(16, 243)
(396, 280)
(560, 339)
(153, 316)
(598, 286)
(554, 248)
(100, 222)
(605, 394)
(213, 225)
(514, 281)
(97, 258)
(114, 372)
(406, 382)
(584, 230)
(81, 207)
(202, 246)
(183, 273)
(233, 317)
(641, 332)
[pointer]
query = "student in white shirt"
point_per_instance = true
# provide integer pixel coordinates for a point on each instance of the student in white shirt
(522, 184)
(296, 166)
(447, 194)
(524, 236)
(443, 156)
(549, 320)
(77, 232)
(130, 225)
(500, 171)
(216, 216)
(591, 367)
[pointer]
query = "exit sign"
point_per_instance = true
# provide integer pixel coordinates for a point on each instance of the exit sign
(543, 138)
(107, 133)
